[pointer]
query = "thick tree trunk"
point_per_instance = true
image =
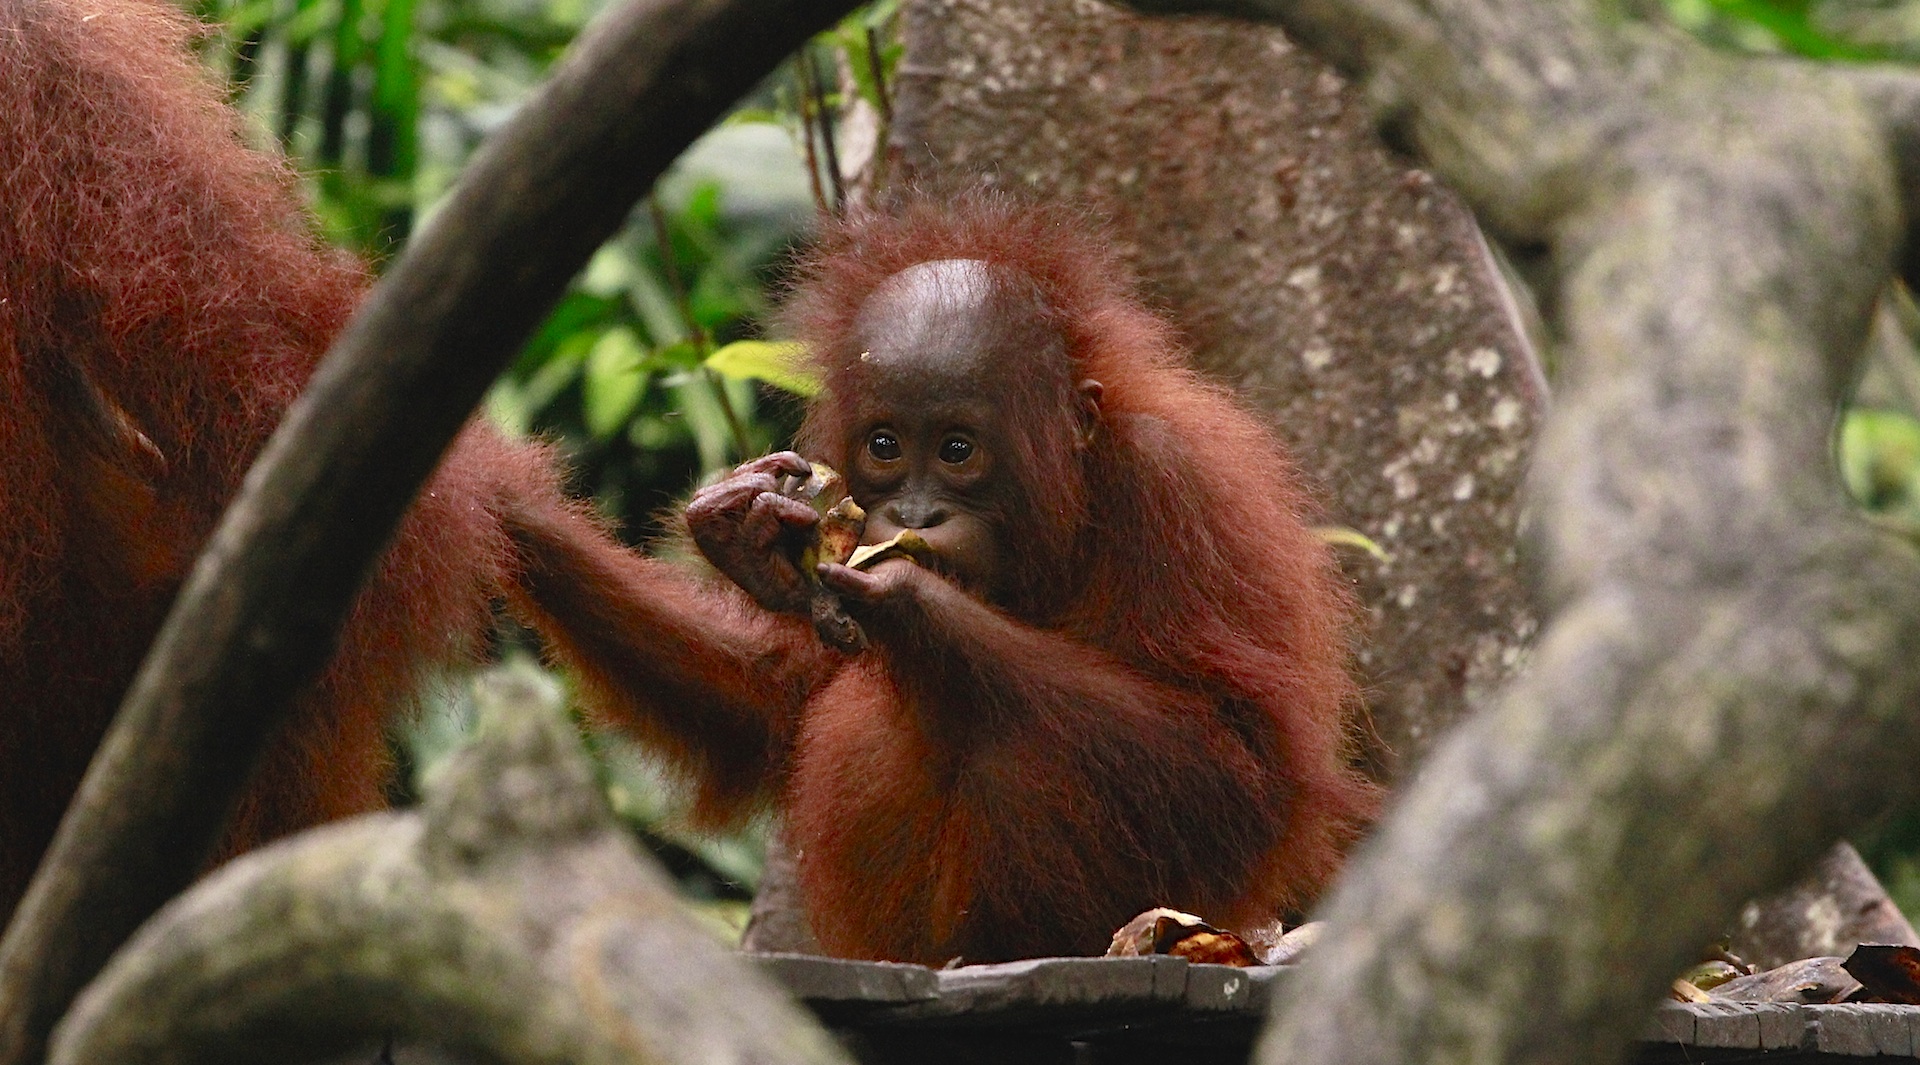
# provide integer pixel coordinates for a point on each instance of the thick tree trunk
(1348, 297)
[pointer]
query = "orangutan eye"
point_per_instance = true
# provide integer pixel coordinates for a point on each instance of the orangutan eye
(955, 451)
(883, 446)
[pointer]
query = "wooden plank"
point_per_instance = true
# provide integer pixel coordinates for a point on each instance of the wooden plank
(1224, 989)
(1040, 983)
(1671, 1022)
(817, 980)
(1891, 1027)
(1732, 1025)
(1782, 1027)
(1841, 1030)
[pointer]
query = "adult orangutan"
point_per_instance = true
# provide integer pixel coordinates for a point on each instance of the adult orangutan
(1118, 681)
(161, 302)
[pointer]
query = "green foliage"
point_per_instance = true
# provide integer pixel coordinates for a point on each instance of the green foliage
(869, 48)
(381, 101)
(1847, 30)
(778, 363)
(618, 374)
(711, 869)
(1880, 461)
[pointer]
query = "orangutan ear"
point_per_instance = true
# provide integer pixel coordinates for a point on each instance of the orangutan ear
(1087, 406)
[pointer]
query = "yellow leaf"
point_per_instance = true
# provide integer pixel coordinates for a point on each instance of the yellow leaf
(781, 364)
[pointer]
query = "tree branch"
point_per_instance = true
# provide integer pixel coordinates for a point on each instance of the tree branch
(262, 610)
(1893, 95)
(511, 919)
(1728, 655)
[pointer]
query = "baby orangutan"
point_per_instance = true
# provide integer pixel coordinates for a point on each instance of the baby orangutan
(1116, 678)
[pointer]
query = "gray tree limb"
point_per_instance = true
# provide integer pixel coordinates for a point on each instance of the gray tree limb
(261, 612)
(511, 919)
(1726, 681)
(1892, 94)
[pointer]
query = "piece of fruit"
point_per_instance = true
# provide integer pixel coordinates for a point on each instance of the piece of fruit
(1182, 935)
(839, 531)
(905, 544)
(834, 539)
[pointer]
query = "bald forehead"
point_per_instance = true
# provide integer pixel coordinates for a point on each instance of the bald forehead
(950, 316)
(940, 287)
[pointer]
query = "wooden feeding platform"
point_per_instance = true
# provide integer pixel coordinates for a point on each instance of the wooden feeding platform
(1095, 1011)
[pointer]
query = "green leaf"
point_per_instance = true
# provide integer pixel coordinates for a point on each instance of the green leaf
(613, 383)
(717, 299)
(780, 364)
(1880, 460)
(395, 104)
(678, 357)
(610, 271)
(579, 313)
(852, 40)
(566, 363)
(1771, 25)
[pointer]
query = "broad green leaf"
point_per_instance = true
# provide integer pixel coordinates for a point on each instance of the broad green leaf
(579, 315)
(564, 365)
(717, 299)
(702, 209)
(655, 305)
(851, 38)
(778, 363)
(396, 95)
(614, 381)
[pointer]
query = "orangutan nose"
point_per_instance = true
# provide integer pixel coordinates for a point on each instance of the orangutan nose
(914, 512)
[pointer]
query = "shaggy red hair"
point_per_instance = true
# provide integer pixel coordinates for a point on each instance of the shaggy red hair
(162, 301)
(1188, 551)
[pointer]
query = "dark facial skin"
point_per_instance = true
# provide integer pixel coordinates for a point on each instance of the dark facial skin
(931, 447)
(929, 450)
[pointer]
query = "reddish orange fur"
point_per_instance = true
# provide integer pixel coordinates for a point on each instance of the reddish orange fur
(1166, 721)
(157, 279)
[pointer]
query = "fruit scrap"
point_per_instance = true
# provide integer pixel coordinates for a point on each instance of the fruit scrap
(906, 544)
(1181, 935)
(841, 519)
(839, 531)
(834, 538)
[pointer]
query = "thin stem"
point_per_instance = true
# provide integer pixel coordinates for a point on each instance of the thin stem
(876, 69)
(806, 136)
(877, 178)
(825, 123)
(742, 446)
